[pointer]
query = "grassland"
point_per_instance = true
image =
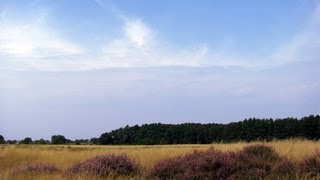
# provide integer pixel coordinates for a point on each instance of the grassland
(63, 156)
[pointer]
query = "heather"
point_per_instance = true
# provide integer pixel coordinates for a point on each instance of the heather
(311, 165)
(105, 165)
(253, 162)
(260, 161)
(210, 164)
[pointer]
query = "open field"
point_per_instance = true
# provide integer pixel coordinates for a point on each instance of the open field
(63, 156)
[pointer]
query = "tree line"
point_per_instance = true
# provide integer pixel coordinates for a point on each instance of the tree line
(195, 133)
(55, 139)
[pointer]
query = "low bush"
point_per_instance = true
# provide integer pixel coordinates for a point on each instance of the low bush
(253, 162)
(311, 165)
(260, 151)
(35, 168)
(210, 164)
(260, 161)
(105, 165)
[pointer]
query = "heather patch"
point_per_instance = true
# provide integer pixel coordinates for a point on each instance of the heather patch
(253, 162)
(311, 165)
(260, 161)
(105, 165)
(210, 164)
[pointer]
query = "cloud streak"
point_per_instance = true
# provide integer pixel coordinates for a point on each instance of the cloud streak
(304, 46)
(34, 45)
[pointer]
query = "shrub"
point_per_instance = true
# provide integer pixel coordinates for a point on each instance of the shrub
(260, 151)
(284, 167)
(27, 140)
(40, 141)
(311, 165)
(208, 164)
(105, 165)
(35, 168)
(260, 161)
(166, 169)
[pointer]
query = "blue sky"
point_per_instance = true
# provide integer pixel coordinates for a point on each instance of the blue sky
(81, 68)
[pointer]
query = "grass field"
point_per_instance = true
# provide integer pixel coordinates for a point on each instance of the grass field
(63, 156)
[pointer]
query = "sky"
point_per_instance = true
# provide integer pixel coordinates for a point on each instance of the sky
(82, 68)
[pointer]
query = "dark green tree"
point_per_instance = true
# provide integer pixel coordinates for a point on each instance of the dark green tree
(94, 141)
(81, 141)
(40, 141)
(106, 138)
(27, 140)
(11, 141)
(58, 139)
(2, 141)
(310, 127)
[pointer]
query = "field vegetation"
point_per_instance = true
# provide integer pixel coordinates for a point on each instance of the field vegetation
(291, 159)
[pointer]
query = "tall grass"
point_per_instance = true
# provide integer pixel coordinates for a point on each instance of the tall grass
(64, 156)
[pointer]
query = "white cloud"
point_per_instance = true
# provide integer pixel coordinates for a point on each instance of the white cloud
(32, 40)
(137, 32)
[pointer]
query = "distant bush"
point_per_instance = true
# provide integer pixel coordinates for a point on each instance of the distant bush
(41, 141)
(27, 140)
(94, 140)
(35, 168)
(311, 165)
(210, 164)
(105, 165)
(11, 142)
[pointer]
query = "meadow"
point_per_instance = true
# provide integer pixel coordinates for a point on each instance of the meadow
(64, 156)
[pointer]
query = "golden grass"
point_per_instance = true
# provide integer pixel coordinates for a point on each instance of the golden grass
(63, 156)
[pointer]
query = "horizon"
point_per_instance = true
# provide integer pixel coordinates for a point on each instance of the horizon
(157, 123)
(82, 68)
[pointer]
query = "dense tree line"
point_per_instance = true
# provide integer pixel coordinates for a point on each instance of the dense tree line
(195, 133)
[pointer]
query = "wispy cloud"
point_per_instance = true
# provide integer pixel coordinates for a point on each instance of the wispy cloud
(139, 47)
(304, 46)
(34, 45)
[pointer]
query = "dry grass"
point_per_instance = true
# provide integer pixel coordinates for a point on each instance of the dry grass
(63, 156)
